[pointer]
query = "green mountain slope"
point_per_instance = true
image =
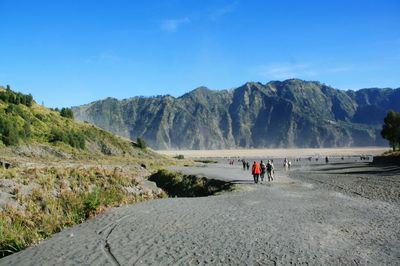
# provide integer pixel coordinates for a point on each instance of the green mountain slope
(292, 113)
(56, 172)
(31, 129)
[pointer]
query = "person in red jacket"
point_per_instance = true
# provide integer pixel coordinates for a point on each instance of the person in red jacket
(256, 171)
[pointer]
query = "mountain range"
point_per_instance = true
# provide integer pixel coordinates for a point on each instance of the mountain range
(278, 114)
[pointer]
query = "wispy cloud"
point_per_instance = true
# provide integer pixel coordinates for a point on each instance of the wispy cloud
(172, 25)
(286, 71)
(107, 58)
(222, 11)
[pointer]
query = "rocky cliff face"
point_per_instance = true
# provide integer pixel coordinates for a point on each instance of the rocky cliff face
(292, 113)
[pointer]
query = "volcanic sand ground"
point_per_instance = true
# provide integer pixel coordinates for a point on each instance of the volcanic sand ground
(280, 153)
(316, 216)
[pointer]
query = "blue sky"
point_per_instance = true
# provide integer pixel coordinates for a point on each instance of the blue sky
(71, 52)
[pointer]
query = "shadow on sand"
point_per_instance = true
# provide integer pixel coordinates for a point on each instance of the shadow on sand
(241, 181)
(363, 168)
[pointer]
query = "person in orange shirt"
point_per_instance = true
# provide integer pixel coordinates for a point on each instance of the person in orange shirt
(256, 171)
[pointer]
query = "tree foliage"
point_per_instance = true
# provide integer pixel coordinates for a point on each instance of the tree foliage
(141, 143)
(67, 112)
(10, 96)
(73, 138)
(391, 129)
(9, 131)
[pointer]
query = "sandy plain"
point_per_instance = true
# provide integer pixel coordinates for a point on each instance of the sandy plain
(342, 213)
(276, 152)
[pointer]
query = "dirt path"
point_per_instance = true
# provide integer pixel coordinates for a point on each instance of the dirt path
(285, 222)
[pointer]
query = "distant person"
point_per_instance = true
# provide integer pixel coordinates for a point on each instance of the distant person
(326, 159)
(248, 165)
(263, 170)
(285, 164)
(256, 170)
(244, 164)
(289, 164)
(270, 170)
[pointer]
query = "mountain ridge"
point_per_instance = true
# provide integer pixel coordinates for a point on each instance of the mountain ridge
(290, 113)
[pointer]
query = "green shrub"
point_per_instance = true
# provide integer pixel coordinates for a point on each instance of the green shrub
(92, 202)
(76, 140)
(9, 131)
(105, 149)
(73, 138)
(112, 195)
(57, 135)
(67, 112)
(206, 161)
(40, 116)
(141, 143)
(73, 208)
(14, 234)
(177, 184)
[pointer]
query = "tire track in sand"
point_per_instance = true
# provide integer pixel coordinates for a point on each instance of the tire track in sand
(105, 245)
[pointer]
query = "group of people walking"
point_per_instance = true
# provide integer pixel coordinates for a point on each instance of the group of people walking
(259, 169)
(245, 165)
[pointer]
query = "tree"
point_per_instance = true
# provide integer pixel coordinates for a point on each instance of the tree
(8, 131)
(10, 96)
(73, 138)
(391, 129)
(67, 112)
(141, 143)
(58, 135)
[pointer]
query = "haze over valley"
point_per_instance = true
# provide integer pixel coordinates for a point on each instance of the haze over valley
(279, 114)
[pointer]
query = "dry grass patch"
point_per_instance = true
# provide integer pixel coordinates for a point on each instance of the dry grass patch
(49, 199)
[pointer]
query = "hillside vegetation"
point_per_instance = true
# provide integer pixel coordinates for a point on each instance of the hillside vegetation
(292, 113)
(27, 123)
(56, 172)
